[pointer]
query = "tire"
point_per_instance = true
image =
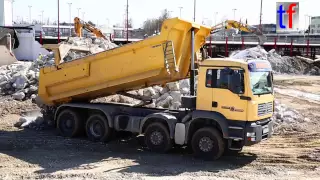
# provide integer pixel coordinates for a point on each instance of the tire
(157, 132)
(69, 123)
(207, 137)
(97, 128)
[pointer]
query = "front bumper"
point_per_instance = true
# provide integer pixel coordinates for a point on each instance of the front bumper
(258, 131)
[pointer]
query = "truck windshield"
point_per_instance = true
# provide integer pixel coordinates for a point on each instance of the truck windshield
(261, 83)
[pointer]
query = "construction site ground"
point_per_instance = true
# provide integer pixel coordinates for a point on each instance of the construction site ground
(32, 154)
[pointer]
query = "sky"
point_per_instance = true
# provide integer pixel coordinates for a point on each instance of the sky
(113, 12)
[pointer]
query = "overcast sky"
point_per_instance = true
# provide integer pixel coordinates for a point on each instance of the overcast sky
(99, 11)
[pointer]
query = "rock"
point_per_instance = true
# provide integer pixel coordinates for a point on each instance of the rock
(18, 96)
(185, 91)
(174, 86)
(140, 92)
(175, 106)
(33, 96)
(149, 92)
(33, 88)
(166, 102)
(176, 96)
(163, 97)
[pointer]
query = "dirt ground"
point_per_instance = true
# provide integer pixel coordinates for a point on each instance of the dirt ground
(31, 154)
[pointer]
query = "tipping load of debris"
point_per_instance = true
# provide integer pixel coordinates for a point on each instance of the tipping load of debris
(80, 47)
(280, 64)
(168, 97)
(20, 79)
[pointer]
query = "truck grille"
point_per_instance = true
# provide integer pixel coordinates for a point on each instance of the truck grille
(265, 108)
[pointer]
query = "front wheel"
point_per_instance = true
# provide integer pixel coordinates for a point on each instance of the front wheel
(207, 143)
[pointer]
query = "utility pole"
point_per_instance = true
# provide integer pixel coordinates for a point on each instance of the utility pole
(12, 10)
(234, 14)
(180, 10)
(42, 17)
(127, 21)
(79, 12)
(70, 11)
(39, 18)
(83, 13)
(260, 26)
(194, 10)
(215, 18)
(70, 16)
(58, 21)
(30, 14)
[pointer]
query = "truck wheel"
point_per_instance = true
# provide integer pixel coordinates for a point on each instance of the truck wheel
(97, 128)
(157, 138)
(69, 123)
(207, 143)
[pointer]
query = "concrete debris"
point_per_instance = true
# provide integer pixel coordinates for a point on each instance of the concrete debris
(280, 64)
(286, 119)
(20, 79)
(32, 122)
(90, 46)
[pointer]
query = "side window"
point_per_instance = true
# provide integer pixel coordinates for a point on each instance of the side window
(232, 80)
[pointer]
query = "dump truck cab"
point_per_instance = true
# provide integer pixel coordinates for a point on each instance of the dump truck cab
(238, 96)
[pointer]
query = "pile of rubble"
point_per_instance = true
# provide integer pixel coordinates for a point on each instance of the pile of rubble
(287, 120)
(86, 46)
(20, 79)
(280, 64)
(168, 97)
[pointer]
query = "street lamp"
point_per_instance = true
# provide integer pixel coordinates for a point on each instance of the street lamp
(234, 14)
(215, 18)
(30, 14)
(12, 10)
(180, 10)
(58, 21)
(70, 15)
(108, 22)
(83, 13)
(42, 17)
(79, 12)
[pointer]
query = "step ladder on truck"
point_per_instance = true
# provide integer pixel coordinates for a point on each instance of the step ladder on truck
(231, 108)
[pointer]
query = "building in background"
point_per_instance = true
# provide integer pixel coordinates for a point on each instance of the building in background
(6, 12)
(315, 25)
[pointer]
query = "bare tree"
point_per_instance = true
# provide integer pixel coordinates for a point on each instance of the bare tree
(152, 26)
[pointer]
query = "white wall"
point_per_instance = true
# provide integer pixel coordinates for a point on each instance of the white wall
(29, 48)
(6, 12)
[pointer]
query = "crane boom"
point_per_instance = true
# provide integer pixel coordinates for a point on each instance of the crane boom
(232, 24)
(79, 24)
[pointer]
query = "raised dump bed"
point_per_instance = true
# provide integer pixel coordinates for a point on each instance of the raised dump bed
(156, 60)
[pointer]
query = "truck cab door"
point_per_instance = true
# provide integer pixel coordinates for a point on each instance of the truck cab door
(228, 93)
(204, 90)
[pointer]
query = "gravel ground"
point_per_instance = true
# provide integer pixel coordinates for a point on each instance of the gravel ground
(31, 154)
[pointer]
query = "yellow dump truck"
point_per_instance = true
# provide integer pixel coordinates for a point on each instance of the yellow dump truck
(231, 107)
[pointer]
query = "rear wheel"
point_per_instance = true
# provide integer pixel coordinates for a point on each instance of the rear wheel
(97, 128)
(207, 143)
(157, 138)
(69, 123)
